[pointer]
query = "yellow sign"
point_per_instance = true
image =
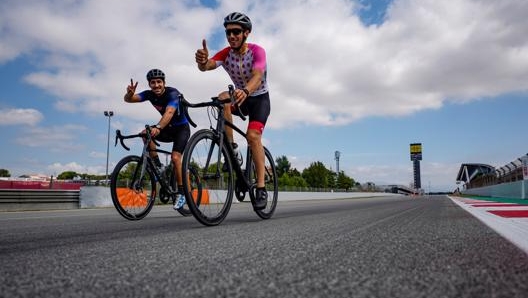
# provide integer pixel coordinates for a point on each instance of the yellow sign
(416, 148)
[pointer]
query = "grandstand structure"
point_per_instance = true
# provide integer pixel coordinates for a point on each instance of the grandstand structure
(509, 180)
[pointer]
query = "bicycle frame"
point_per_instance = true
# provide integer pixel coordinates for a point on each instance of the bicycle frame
(241, 173)
(211, 158)
(146, 159)
(219, 130)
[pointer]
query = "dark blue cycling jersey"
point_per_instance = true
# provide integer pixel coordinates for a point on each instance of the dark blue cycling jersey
(169, 98)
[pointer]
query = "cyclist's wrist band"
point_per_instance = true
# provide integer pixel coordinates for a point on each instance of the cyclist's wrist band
(246, 91)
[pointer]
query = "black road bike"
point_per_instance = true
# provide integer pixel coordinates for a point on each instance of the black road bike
(210, 165)
(133, 183)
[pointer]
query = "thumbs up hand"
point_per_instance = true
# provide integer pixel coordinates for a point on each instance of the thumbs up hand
(202, 55)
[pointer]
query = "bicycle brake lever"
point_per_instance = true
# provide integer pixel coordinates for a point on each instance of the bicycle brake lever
(121, 138)
(184, 103)
(233, 102)
(118, 136)
(124, 146)
(231, 93)
(147, 131)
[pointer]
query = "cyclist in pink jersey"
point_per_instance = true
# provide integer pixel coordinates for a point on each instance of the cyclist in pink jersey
(246, 65)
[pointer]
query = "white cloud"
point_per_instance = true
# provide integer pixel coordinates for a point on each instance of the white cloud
(55, 138)
(58, 168)
(434, 176)
(98, 155)
(20, 116)
(325, 66)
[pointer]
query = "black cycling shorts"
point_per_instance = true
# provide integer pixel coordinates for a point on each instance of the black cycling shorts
(257, 108)
(178, 135)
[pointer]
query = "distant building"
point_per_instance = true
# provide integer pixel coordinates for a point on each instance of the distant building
(508, 181)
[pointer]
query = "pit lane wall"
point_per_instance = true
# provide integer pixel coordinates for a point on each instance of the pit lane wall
(19, 195)
(96, 196)
(512, 190)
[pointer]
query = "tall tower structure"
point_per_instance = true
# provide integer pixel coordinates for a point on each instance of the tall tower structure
(416, 156)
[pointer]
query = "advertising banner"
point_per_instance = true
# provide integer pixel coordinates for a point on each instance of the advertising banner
(416, 151)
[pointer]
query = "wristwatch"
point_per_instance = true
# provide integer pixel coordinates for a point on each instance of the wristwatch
(158, 126)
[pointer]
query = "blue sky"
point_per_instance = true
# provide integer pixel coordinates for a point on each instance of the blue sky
(365, 78)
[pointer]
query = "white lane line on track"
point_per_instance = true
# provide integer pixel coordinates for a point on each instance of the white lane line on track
(513, 229)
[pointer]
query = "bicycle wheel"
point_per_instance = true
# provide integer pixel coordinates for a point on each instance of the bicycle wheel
(210, 191)
(133, 193)
(272, 185)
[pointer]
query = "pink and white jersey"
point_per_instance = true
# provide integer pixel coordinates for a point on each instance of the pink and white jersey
(239, 66)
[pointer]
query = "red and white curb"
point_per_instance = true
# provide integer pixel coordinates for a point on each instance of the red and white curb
(510, 220)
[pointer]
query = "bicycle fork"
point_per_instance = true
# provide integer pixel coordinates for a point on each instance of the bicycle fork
(145, 160)
(139, 174)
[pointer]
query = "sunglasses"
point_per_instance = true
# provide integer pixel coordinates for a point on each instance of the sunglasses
(235, 31)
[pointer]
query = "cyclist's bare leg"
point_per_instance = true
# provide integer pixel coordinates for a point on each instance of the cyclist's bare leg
(153, 154)
(254, 138)
(177, 161)
(176, 158)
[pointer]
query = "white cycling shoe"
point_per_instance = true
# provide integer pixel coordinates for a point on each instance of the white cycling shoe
(179, 201)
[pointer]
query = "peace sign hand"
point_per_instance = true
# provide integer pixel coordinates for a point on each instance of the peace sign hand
(131, 89)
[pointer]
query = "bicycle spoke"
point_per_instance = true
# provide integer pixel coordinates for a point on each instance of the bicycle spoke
(133, 193)
(210, 202)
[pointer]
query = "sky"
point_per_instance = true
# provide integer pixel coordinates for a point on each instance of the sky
(363, 77)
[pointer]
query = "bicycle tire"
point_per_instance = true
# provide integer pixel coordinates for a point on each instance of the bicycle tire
(211, 201)
(133, 199)
(272, 185)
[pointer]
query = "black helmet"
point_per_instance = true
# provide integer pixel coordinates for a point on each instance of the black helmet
(155, 74)
(238, 18)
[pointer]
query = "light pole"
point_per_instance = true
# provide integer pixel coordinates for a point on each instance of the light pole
(108, 114)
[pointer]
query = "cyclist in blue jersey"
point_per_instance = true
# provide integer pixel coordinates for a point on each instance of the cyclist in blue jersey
(246, 65)
(173, 125)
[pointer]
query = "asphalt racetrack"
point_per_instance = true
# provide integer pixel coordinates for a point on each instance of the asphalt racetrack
(371, 247)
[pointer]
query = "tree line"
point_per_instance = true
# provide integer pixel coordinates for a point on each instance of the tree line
(315, 176)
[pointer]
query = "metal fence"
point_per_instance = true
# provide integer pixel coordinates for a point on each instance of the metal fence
(38, 199)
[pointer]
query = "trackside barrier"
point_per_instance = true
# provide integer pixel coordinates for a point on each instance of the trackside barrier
(38, 199)
(25, 185)
(514, 190)
(99, 196)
